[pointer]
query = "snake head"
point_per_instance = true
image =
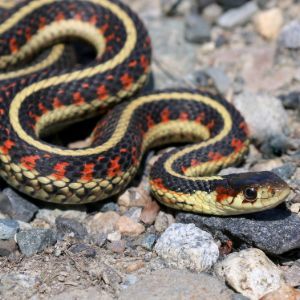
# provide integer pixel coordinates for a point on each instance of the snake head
(251, 192)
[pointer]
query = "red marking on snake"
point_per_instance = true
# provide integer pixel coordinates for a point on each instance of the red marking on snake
(195, 162)
(224, 193)
(165, 115)
(150, 121)
(85, 85)
(115, 167)
(60, 170)
(60, 16)
(110, 77)
(42, 108)
(7, 146)
(132, 64)
(42, 22)
(93, 20)
(27, 34)
(159, 183)
(199, 119)
(33, 116)
(87, 173)
(211, 124)
(245, 128)
(215, 156)
(13, 45)
(29, 162)
(100, 158)
(183, 169)
(183, 116)
(123, 150)
(56, 103)
(110, 37)
(78, 17)
(1, 112)
(78, 99)
(102, 92)
(144, 62)
(104, 28)
(134, 156)
(126, 81)
(237, 144)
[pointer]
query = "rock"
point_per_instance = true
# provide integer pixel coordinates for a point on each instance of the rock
(83, 249)
(8, 229)
(185, 246)
(220, 79)
(275, 231)
(231, 3)
(238, 16)
(109, 206)
(35, 240)
(170, 7)
(146, 241)
(197, 29)
(103, 222)
(66, 226)
(163, 221)
(98, 239)
(50, 215)
(284, 292)
(16, 206)
(149, 212)
(212, 12)
(285, 171)
(132, 267)
(117, 246)
(258, 107)
(250, 273)
(268, 23)
(176, 284)
(290, 35)
(82, 294)
(114, 236)
(267, 165)
(110, 276)
(7, 247)
(292, 275)
(134, 197)
(134, 213)
(291, 100)
(130, 279)
(277, 145)
(128, 226)
(202, 4)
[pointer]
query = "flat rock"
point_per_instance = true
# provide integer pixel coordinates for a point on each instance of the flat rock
(238, 16)
(275, 231)
(175, 285)
(250, 273)
(16, 207)
(257, 107)
(185, 246)
(8, 229)
(35, 240)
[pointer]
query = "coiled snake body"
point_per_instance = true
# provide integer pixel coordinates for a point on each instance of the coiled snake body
(46, 93)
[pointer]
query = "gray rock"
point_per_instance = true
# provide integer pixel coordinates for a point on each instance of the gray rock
(169, 7)
(84, 249)
(109, 206)
(98, 239)
(187, 247)
(8, 229)
(35, 240)
(263, 113)
(89, 293)
(290, 35)
(291, 100)
(231, 3)
(7, 247)
(66, 226)
(197, 29)
(212, 12)
(292, 275)
(220, 79)
(238, 16)
(275, 231)
(286, 171)
(147, 241)
(16, 206)
(177, 284)
(134, 213)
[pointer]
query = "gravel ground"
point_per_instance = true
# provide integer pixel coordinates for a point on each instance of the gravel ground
(131, 247)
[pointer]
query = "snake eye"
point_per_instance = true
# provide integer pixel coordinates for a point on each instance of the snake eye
(250, 194)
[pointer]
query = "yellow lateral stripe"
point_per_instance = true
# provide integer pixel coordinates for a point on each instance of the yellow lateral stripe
(123, 124)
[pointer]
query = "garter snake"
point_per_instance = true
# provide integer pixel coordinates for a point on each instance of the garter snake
(43, 94)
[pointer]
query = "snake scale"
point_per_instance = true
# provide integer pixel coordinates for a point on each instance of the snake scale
(38, 94)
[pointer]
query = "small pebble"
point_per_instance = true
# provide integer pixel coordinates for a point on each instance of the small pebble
(98, 239)
(109, 206)
(238, 16)
(250, 273)
(285, 171)
(163, 221)
(132, 267)
(292, 275)
(114, 236)
(197, 29)
(147, 241)
(117, 246)
(35, 240)
(66, 226)
(83, 249)
(7, 247)
(291, 100)
(8, 229)
(16, 207)
(102, 222)
(231, 3)
(129, 227)
(290, 35)
(134, 213)
(150, 212)
(185, 246)
(212, 12)
(268, 23)
(220, 79)
(134, 197)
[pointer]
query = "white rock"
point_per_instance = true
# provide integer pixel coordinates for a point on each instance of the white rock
(250, 273)
(185, 246)
(263, 113)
